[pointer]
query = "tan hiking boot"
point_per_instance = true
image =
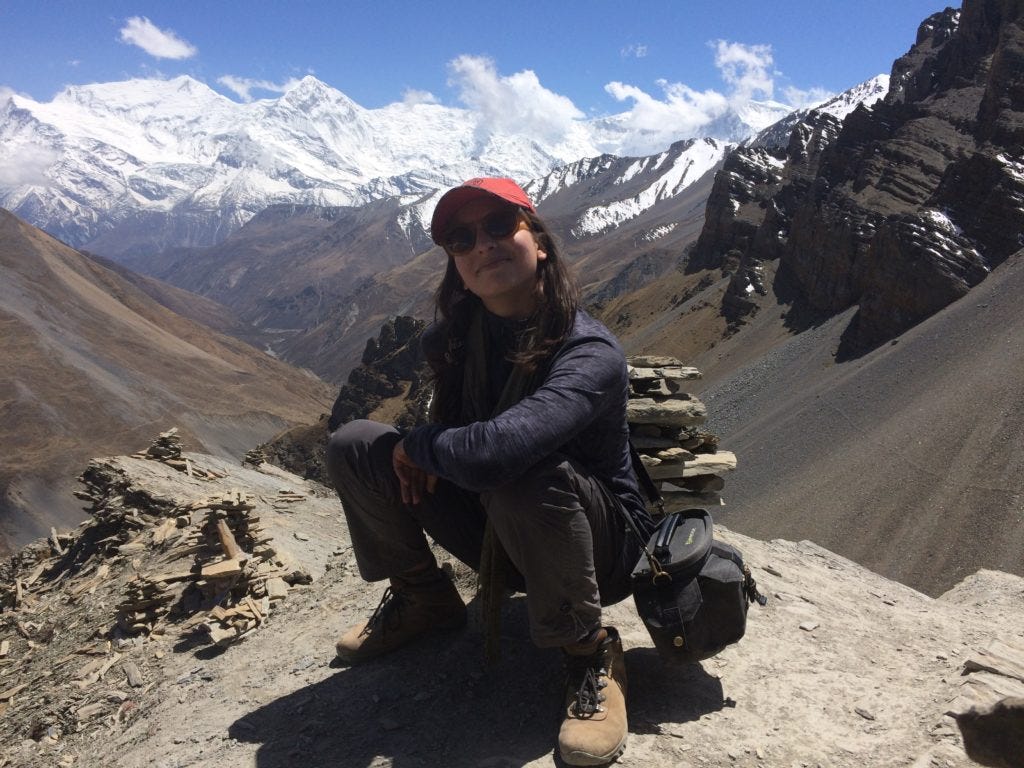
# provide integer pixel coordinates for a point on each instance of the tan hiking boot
(594, 730)
(405, 612)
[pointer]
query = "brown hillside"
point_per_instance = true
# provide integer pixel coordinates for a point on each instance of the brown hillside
(94, 365)
(908, 460)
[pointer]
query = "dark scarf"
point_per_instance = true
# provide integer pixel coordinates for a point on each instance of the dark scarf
(477, 404)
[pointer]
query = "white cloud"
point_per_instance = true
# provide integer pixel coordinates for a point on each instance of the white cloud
(243, 86)
(633, 51)
(161, 43)
(652, 124)
(411, 97)
(805, 99)
(680, 111)
(747, 69)
(26, 164)
(514, 104)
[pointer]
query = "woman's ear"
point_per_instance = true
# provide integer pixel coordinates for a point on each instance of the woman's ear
(542, 254)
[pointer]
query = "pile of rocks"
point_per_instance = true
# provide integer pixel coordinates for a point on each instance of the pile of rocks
(167, 449)
(146, 601)
(254, 457)
(665, 424)
(203, 565)
(166, 446)
(234, 575)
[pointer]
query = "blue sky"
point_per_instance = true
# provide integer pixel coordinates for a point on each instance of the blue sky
(600, 55)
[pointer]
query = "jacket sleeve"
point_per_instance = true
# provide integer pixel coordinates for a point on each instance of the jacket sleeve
(586, 377)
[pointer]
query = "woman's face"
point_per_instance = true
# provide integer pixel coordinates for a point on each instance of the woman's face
(501, 273)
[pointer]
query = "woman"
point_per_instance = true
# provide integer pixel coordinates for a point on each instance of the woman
(524, 472)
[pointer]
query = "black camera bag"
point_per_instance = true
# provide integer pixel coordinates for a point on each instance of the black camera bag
(691, 591)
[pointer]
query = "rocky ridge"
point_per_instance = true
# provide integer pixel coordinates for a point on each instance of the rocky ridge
(902, 207)
(842, 667)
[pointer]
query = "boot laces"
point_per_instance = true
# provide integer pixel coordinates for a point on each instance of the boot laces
(390, 605)
(589, 676)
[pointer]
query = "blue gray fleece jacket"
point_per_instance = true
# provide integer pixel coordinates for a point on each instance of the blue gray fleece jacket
(578, 410)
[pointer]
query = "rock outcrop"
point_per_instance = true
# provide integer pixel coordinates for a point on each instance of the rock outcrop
(907, 205)
(391, 384)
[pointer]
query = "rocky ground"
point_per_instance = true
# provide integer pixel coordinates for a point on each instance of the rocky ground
(841, 668)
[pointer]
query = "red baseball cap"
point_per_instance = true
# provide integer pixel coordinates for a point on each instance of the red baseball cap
(456, 197)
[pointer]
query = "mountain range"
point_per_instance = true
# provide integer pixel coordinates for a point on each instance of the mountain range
(139, 166)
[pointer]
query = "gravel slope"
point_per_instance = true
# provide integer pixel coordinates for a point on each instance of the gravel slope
(908, 460)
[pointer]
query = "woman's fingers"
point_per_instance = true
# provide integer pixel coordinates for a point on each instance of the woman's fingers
(412, 480)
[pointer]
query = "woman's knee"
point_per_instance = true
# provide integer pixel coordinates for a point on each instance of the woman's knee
(549, 486)
(356, 448)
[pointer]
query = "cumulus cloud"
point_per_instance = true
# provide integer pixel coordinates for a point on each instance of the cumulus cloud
(746, 69)
(655, 120)
(517, 103)
(160, 43)
(26, 164)
(243, 86)
(683, 111)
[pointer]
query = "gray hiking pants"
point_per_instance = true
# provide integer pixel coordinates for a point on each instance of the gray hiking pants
(562, 530)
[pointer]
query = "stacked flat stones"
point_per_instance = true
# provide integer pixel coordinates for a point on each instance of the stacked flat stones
(235, 576)
(666, 427)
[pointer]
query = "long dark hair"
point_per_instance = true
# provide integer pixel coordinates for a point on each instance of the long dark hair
(557, 301)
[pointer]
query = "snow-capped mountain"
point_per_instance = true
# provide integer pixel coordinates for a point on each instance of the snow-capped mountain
(631, 186)
(867, 93)
(141, 165)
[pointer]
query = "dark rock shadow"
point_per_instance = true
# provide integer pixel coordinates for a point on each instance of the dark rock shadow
(852, 345)
(799, 315)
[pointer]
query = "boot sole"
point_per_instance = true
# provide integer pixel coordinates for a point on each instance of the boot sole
(585, 758)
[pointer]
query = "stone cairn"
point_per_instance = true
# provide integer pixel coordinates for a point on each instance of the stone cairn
(234, 577)
(665, 425)
(167, 449)
(254, 457)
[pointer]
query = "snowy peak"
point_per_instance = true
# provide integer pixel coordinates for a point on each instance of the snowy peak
(141, 99)
(101, 165)
(650, 181)
(605, 192)
(866, 94)
(314, 97)
(776, 135)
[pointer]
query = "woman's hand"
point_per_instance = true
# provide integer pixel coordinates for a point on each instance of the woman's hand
(413, 480)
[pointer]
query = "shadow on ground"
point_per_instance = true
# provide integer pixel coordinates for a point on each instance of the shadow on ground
(440, 703)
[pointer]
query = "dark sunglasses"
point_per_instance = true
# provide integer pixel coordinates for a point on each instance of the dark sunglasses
(498, 225)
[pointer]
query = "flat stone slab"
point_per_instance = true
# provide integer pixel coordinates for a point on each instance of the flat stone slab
(671, 412)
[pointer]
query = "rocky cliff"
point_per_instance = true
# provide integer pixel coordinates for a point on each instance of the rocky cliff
(905, 205)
